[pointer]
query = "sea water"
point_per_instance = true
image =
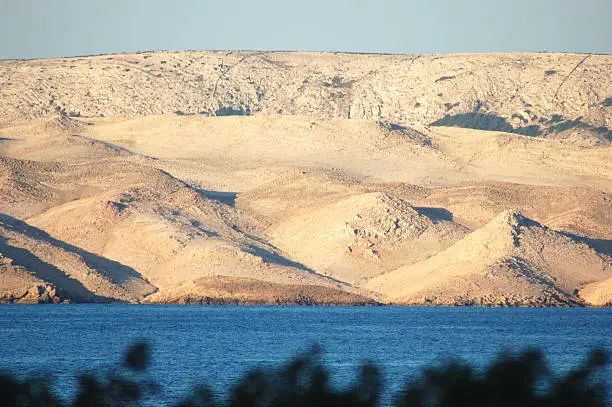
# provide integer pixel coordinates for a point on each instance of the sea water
(214, 345)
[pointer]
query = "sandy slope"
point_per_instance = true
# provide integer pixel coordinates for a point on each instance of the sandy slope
(290, 200)
(599, 293)
(344, 228)
(173, 236)
(252, 150)
(580, 210)
(73, 273)
(512, 259)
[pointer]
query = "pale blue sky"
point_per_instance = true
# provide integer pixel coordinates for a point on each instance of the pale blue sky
(44, 28)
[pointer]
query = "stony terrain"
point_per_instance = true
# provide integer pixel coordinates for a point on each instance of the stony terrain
(307, 178)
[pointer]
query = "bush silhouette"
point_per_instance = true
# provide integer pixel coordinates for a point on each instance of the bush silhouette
(511, 380)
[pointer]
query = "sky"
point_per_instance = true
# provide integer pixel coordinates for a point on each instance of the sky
(63, 28)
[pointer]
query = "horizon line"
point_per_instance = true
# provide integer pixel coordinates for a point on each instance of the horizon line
(306, 52)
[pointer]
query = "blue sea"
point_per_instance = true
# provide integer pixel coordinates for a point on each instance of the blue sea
(216, 344)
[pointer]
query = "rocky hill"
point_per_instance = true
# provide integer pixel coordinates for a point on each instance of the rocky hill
(307, 178)
(563, 96)
(510, 261)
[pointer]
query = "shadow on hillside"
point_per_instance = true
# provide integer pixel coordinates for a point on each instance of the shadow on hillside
(230, 111)
(269, 256)
(110, 146)
(601, 245)
(273, 258)
(485, 121)
(115, 271)
(69, 288)
(561, 124)
(407, 132)
(208, 233)
(227, 198)
(436, 214)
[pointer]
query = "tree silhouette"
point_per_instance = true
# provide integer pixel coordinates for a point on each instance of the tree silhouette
(522, 379)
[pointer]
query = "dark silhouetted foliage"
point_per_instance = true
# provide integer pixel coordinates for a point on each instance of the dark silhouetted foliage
(512, 380)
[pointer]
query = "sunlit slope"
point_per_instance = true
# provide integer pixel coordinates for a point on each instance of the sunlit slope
(511, 260)
(306, 178)
(530, 93)
(38, 267)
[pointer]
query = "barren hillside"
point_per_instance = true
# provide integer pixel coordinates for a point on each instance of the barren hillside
(307, 178)
(524, 93)
(510, 261)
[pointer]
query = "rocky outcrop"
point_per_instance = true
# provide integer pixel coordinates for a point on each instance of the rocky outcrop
(38, 294)
(510, 261)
